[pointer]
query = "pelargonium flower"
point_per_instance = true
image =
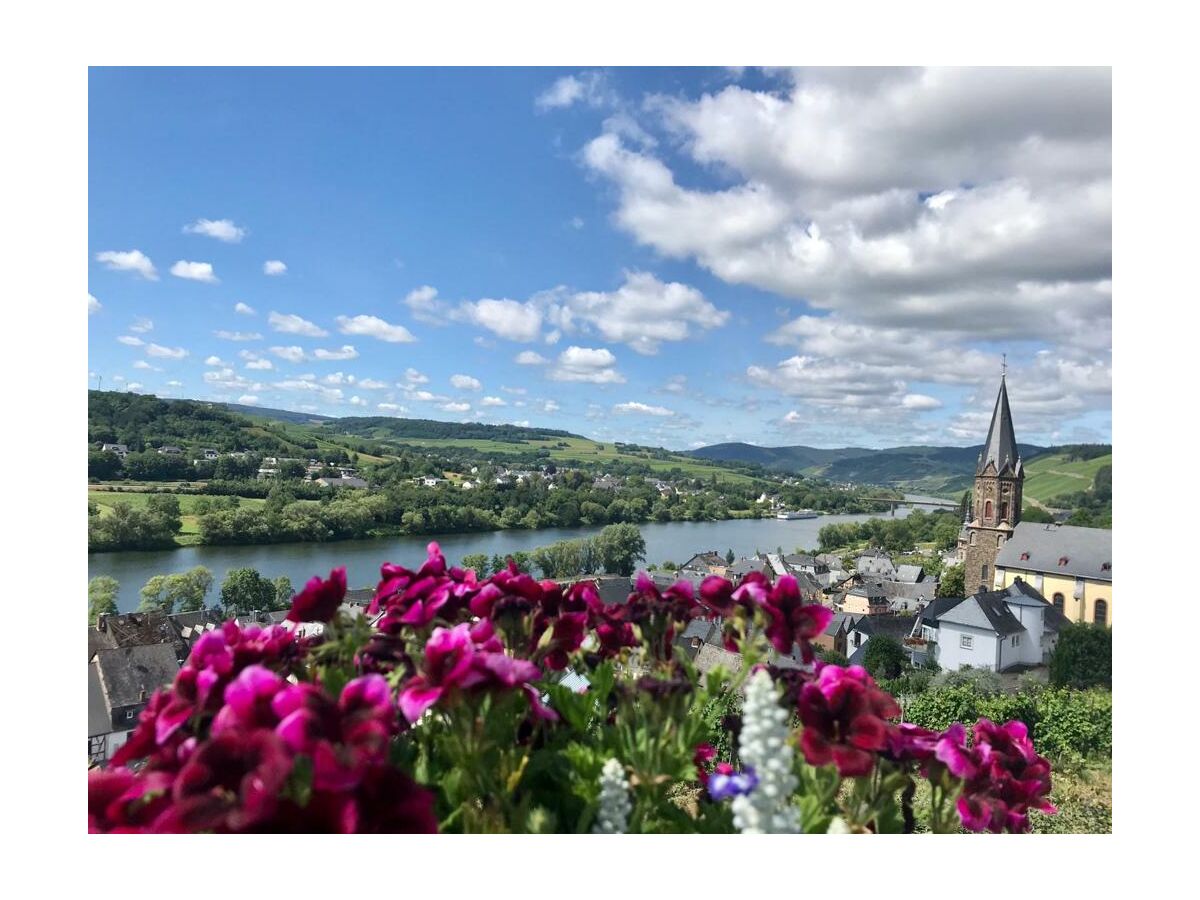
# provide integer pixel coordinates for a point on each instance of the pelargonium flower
(320, 599)
(705, 753)
(121, 801)
(911, 742)
(417, 598)
(845, 719)
(1003, 776)
(792, 621)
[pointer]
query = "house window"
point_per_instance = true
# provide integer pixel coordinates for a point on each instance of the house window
(1016, 640)
(1100, 613)
(130, 714)
(966, 641)
(1058, 602)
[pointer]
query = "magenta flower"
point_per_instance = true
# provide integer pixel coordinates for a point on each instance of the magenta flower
(1003, 776)
(792, 620)
(320, 599)
(845, 719)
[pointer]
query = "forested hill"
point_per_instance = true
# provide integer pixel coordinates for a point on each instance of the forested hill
(933, 469)
(390, 428)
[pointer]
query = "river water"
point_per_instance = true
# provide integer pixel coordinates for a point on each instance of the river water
(675, 541)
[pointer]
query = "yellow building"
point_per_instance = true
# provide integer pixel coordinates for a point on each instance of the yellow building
(1070, 566)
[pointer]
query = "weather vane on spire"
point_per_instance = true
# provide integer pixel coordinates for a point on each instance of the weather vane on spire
(1003, 364)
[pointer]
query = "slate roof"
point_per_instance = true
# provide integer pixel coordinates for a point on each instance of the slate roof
(837, 621)
(994, 609)
(909, 574)
(129, 675)
(1086, 551)
(1000, 448)
(99, 719)
(892, 626)
(745, 566)
(931, 613)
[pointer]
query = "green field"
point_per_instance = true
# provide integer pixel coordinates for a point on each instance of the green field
(189, 531)
(1047, 477)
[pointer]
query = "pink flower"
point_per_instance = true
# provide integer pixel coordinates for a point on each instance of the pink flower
(1004, 778)
(320, 599)
(845, 719)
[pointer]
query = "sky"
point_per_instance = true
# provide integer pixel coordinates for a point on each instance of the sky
(674, 257)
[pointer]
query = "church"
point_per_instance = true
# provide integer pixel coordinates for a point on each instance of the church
(996, 500)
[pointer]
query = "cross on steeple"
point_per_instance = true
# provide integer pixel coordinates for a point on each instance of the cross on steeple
(1003, 364)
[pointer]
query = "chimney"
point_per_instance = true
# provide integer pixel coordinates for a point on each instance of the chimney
(142, 695)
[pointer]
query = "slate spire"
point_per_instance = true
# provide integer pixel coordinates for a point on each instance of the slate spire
(1001, 445)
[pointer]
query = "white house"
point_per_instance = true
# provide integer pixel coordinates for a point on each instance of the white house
(997, 630)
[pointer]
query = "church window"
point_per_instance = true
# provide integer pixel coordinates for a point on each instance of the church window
(1100, 613)
(972, 539)
(1058, 602)
(987, 510)
(983, 572)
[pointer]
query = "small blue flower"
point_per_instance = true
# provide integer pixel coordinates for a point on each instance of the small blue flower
(723, 786)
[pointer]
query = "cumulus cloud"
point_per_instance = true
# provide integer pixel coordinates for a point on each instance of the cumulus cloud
(221, 229)
(456, 407)
(371, 384)
(424, 305)
(260, 364)
(244, 309)
(412, 376)
(345, 352)
(643, 409)
(142, 364)
(128, 261)
(238, 335)
(590, 88)
(357, 401)
(391, 407)
(493, 401)
(291, 354)
(372, 326)
(465, 382)
(165, 352)
(130, 341)
(194, 271)
(141, 325)
(595, 365)
(274, 267)
(94, 305)
(248, 399)
(215, 361)
(509, 319)
(292, 324)
(531, 358)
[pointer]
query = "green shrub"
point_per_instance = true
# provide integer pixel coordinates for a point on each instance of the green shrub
(1082, 658)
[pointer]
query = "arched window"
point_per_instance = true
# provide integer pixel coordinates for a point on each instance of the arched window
(1100, 613)
(1058, 602)
(972, 539)
(987, 510)
(999, 541)
(983, 573)
(1004, 510)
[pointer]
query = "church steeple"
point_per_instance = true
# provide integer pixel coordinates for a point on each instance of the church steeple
(1000, 448)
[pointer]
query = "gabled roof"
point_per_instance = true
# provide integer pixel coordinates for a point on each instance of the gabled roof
(837, 622)
(1059, 550)
(930, 614)
(891, 626)
(129, 675)
(991, 604)
(910, 574)
(1000, 448)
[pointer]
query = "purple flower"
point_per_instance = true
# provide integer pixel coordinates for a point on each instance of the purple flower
(726, 783)
(320, 599)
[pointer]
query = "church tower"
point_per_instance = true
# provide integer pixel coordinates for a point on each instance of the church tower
(996, 500)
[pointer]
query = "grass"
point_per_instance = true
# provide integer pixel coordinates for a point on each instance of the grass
(1047, 477)
(189, 531)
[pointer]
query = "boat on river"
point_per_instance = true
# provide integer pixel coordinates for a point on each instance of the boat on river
(797, 514)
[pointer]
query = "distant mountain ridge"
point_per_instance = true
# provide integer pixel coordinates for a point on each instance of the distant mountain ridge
(944, 469)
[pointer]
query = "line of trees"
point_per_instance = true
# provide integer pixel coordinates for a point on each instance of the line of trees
(616, 550)
(243, 591)
(940, 527)
(153, 527)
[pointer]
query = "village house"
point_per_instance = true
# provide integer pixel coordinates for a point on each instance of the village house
(710, 562)
(860, 630)
(866, 600)
(345, 482)
(120, 683)
(835, 633)
(997, 630)
(877, 563)
(1069, 565)
(170, 450)
(119, 449)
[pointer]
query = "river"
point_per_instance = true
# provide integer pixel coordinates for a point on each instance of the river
(675, 541)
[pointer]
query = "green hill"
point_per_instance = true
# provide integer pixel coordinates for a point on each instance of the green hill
(1055, 475)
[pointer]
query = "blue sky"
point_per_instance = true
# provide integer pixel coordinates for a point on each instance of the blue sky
(673, 257)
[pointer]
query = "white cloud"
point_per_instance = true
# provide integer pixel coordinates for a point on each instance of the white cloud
(493, 401)
(165, 352)
(522, 423)
(135, 386)
(304, 385)
(129, 261)
(248, 399)
(456, 407)
(371, 384)
(465, 382)
(920, 402)
(238, 335)
(142, 364)
(519, 391)
(221, 229)
(590, 88)
(530, 358)
(130, 341)
(509, 319)
(576, 222)
(412, 376)
(346, 352)
(94, 305)
(141, 325)
(244, 309)
(291, 354)
(425, 306)
(676, 384)
(194, 271)
(260, 364)
(643, 408)
(174, 384)
(372, 326)
(548, 406)
(357, 401)
(274, 267)
(293, 324)
(593, 365)
(391, 407)
(215, 361)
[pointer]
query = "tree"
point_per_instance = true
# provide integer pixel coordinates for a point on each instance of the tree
(1083, 656)
(729, 557)
(186, 592)
(476, 561)
(620, 547)
(963, 505)
(102, 597)
(244, 591)
(885, 657)
(283, 592)
(952, 583)
(154, 595)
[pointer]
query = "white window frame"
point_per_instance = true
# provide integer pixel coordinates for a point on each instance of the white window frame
(1016, 640)
(966, 642)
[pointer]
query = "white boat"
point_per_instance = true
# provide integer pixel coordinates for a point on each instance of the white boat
(798, 514)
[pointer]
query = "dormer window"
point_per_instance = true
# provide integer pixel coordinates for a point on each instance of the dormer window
(1105, 567)
(1025, 556)
(1063, 560)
